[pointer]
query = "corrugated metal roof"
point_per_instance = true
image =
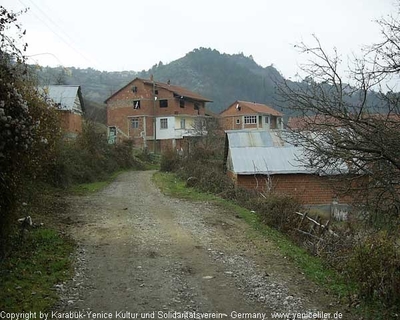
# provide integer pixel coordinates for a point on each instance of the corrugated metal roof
(255, 138)
(63, 95)
(270, 160)
(266, 152)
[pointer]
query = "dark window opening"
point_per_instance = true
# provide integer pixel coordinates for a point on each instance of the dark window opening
(136, 104)
(163, 103)
(134, 89)
(182, 103)
(197, 107)
(156, 91)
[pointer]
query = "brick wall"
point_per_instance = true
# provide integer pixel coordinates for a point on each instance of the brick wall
(120, 110)
(307, 188)
(70, 122)
(125, 98)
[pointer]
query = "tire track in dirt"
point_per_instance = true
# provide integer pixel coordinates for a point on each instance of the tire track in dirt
(141, 251)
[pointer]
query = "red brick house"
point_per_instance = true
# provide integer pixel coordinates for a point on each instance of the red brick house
(68, 100)
(261, 160)
(146, 111)
(250, 115)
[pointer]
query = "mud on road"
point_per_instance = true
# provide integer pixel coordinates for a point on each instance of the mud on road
(142, 252)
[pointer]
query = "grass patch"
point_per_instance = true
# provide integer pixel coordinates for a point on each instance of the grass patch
(175, 187)
(87, 188)
(38, 262)
(312, 267)
(92, 187)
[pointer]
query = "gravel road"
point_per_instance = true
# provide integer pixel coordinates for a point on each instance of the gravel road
(142, 254)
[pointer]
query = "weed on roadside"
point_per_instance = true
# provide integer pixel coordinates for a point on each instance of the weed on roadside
(36, 263)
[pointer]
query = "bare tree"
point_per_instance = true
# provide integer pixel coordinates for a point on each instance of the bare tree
(208, 138)
(352, 126)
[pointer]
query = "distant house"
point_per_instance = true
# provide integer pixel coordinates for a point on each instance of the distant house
(250, 115)
(68, 100)
(263, 161)
(155, 115)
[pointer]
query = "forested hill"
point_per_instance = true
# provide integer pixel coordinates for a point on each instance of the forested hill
(223, 78)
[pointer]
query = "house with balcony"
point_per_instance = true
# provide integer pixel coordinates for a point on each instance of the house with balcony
(155, 115)
(250, 115)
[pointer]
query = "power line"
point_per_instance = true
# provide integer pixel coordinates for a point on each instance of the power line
(65, 39)
(45, 53)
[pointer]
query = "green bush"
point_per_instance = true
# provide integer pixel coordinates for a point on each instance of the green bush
(375, 266)
(169, 161)
(278, 211)
(90, 158)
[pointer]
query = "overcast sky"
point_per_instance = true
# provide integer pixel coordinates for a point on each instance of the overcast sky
(135, 34)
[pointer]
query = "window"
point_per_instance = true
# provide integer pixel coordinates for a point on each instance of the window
(134, 89)
(164, 123)
(237, 121)
(135, 123)
(266, 119)
(183, 123)
(182, 103)
(250, 119)
(155, 91)
(163, 103)
(136, 104)
(196, 106)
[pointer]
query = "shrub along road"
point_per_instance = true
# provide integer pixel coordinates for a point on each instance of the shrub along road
(141, 251)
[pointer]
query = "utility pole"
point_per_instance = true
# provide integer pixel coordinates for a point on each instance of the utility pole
(154, 113)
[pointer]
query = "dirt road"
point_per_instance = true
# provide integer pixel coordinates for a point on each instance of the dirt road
(145, 254)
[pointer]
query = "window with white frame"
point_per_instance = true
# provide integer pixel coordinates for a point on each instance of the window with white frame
(183, 123)
(135, 123)
(164, 123)
(250, 119)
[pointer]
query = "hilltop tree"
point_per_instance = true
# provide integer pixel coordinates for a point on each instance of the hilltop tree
(346, 125)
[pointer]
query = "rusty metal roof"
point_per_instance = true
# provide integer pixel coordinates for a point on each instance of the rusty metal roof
(258, 108)
(177, 90)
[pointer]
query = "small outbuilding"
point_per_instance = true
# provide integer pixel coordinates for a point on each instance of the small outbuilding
(264, 161)
(68, 100)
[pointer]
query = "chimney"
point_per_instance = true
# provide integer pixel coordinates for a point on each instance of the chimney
(151, 77)
(169, 82)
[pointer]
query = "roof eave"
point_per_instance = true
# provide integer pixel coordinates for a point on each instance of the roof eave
(118, 91)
